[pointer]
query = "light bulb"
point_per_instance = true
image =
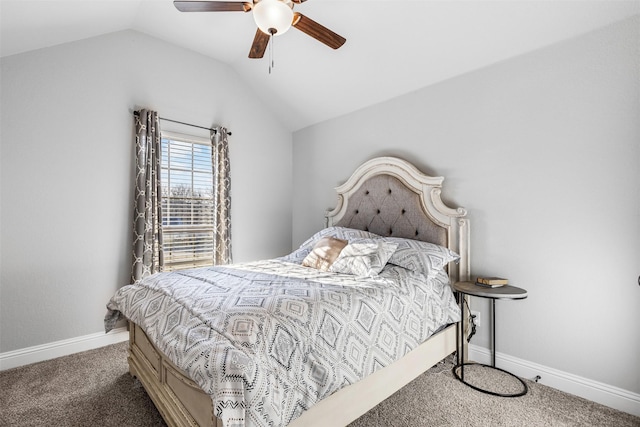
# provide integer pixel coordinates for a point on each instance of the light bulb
(273, 15)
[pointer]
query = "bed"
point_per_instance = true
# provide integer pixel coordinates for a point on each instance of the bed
(321, 369)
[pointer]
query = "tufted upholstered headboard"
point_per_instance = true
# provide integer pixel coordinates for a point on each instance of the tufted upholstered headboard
(391, 197)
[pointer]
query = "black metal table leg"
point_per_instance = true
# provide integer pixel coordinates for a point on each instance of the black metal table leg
(458, 370)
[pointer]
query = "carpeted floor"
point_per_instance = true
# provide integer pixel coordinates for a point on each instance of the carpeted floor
(94, 388)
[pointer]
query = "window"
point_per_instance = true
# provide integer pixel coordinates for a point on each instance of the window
(187, 201)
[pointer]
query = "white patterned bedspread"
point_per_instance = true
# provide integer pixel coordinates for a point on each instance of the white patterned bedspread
(269, 339)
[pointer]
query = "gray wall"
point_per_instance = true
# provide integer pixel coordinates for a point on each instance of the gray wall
(67, 163)
(543, 150)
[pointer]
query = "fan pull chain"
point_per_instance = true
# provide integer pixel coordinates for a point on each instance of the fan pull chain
(272, 31)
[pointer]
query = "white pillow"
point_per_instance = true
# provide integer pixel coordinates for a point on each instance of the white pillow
(422, 257)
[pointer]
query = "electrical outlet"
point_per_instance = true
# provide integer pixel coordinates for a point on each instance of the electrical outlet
(477, 318)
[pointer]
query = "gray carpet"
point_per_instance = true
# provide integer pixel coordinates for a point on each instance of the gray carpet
(94, 388)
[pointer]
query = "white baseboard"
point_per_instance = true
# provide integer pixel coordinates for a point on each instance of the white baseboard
(595, 391)
(39, 353)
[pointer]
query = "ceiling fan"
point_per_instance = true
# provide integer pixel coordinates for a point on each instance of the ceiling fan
(273, 17)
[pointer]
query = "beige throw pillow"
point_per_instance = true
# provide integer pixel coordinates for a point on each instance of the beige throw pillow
(364, 257)
(324, 253)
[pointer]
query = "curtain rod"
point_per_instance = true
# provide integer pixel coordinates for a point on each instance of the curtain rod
(136, 113)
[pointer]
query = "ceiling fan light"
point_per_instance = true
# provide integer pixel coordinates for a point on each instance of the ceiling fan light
(273, 15)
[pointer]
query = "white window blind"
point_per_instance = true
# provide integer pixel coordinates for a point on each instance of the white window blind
(187, 201)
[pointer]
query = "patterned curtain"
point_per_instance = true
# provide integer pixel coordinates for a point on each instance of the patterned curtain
(222, 197)
(147, 219)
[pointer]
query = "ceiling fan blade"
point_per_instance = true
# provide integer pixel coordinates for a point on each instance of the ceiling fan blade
(317, 31)
(212, 6)
(260, 42)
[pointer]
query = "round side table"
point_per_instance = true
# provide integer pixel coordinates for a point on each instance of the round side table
(500, 292)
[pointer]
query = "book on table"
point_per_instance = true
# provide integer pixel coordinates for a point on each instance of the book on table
(492, 282)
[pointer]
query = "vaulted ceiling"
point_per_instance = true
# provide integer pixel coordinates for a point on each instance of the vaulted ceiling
(393, 46)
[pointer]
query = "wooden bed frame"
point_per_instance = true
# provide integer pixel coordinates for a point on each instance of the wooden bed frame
(387, 196)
